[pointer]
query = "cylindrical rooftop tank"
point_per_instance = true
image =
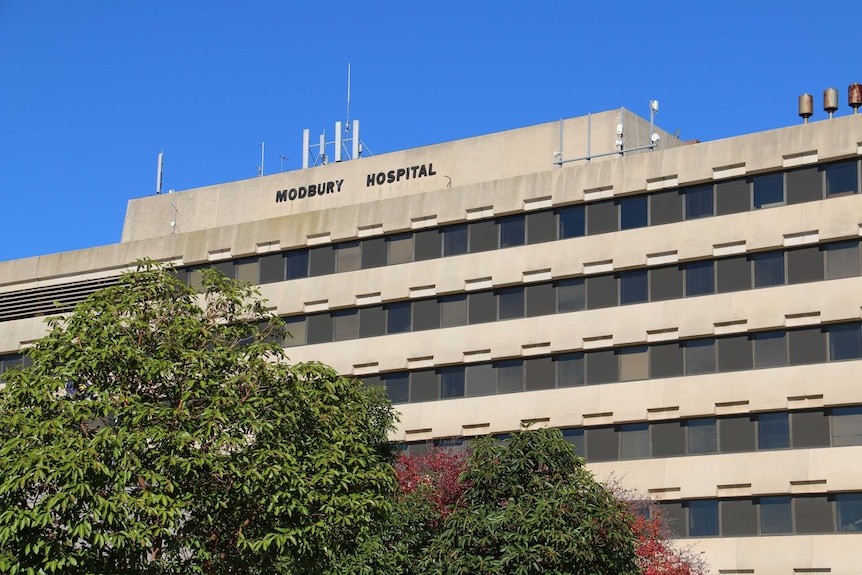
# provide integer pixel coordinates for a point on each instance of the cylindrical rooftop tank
(854, 96)
(806, 107)
(830, 100)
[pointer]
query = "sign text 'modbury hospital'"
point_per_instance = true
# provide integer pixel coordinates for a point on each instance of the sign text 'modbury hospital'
(406, 173)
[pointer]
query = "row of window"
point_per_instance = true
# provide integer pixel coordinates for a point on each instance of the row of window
(726, 197)
(813, 263)
(12, 361)
(835, 427)
(835, 342)
(773, 515)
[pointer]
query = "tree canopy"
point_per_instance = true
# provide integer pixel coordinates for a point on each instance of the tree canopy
(161, 430)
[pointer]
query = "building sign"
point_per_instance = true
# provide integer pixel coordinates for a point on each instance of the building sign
(393, 176)
(375, 179)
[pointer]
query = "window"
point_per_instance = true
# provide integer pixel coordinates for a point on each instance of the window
(541, 227)
(804, 265)
(453, 310)
(698, 202)
(248, 270)
(847, 426)
(633, 212)
(666, 360)
(668, 439)
(601, 217)
(426, 245)
(423, 385)
(398, 317)
(296, 331)
(634, 441)
(665, 207)
(510, 376)
(511, 302)
(572, 295)
(372, 321)
(225, 268)
(297, 264)
(804, 185)
(807, 345)
(347, 256)
(572, 222)
(665, 283)
(319, 328)
(699, 278)
(601, 291)
(768, 190)
(736, 434)
(272, 266)
(841, 179)
(602, 444)
(575, 436)
(482, 307)
(633, 362)
(452, 382)
(321, 261)
(849, 508)
(699, 356)
(633, 287)
(773, 431)
(426, 314)
(813, 515)
(768, 269)
(734, 353)
(483, 236)
(674, 516)
(397, 387)
(809, 429)
(775, 515)
(842, 260)
(373, 253)
(702, 436)
(481, 380)
(400, 248)
(539, 373)
(570, 369)
(454, 240)
(512, 231)
(845, 341)
(703, 518)
(732, 196)
(541, 299)
(770, 349)
(734, 274)
(738, 518)
(602, 367)
(346, 324)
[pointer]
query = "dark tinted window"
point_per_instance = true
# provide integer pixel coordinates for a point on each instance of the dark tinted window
(814, 515)
(483, 236)
(452, 382)
(633, 212)
(807, 346)
(734, 353)
(845, 341)
(482, 307)
(702, 518)
(698, 202)
(539, 373)
(809, 429)
(454, 240)
(398, 317)
(272, 267)
(732, 196)
(372, 321)
(571, 294)
(601, 291)
(702, 436)
(423, 385)
(572, 222)
(426, 245)
(602, 367)
(849, 508)
(665, 207)
(319, 328)
(768, 190)
(570, 369)
(775, 515)
(842, 260)
(773, 431)
(699, 356)
(736, 434)
(541, 299)
(768, 269)
(841, 179)
(770, 349)
(541, 227)
(699, 278)
(397, 387)
(602, 444)
(803, 185)
(738, 518)
(601, 217)
(512, 231)
(633, 287)
(665, 283)
(426, 314)
(733, 274)
(666, 360)
(297, 264)
(322, 261)
(511, 302)
(805, 265)
(668, 439)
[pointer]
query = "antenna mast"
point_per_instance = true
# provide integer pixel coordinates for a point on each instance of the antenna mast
(159, 172)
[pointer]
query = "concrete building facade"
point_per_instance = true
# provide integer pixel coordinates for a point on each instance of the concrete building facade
(689, 315)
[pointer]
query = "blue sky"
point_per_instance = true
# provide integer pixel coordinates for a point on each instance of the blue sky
(92, 90)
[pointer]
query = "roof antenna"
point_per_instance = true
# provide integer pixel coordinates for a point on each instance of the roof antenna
(159, 172)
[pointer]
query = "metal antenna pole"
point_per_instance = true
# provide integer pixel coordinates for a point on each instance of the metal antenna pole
(283, 158)
(262, 145)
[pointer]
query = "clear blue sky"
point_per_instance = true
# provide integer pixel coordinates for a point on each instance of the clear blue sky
(92, 90)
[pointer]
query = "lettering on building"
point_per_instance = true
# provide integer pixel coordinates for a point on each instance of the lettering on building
(406, 173)
(309, 191)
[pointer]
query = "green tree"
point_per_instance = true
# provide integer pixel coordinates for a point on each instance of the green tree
(532, 507)
(160, 430)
